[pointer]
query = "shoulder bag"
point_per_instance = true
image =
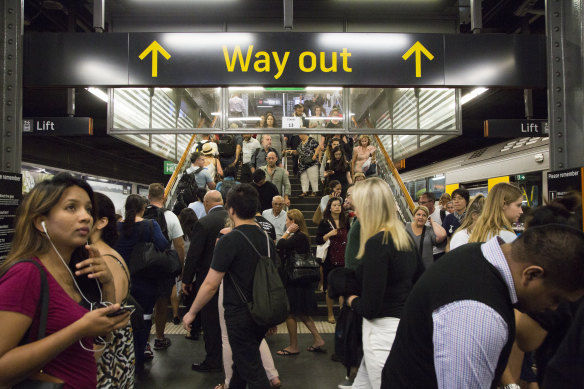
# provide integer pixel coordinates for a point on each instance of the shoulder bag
(40, 380)
(302, 268)
(422, 240)
(317, 217)
(147, 260)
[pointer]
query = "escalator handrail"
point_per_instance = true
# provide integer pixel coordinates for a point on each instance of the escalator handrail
(395, 174)
(182, 160)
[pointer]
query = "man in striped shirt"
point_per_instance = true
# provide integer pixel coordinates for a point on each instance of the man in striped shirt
(458, 326)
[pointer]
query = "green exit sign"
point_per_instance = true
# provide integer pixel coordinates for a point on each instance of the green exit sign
(169, 167)
(520, 177)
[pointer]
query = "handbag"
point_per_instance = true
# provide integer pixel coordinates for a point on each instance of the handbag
(303, 268)
(322, 249)
(40, 380)
(372, 170)
(147, 260)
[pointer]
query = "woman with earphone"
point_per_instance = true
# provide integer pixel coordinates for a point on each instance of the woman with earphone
(52, 227)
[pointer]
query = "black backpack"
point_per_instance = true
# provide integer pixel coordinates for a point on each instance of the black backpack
(226, 146)
(154, 213)
(269, 305)
(348, 337)
(186, 189)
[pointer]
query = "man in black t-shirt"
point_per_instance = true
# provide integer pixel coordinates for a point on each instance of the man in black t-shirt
(236, 257)
(265, 189)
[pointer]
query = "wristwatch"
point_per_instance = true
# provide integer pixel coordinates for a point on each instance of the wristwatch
(511, 386)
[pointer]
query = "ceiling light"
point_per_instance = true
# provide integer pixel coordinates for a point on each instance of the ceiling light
(246, 88)
(99, 93)
(323, 88)
(472, 95)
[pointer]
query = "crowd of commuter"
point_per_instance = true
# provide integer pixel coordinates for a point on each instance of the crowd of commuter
(453, 299)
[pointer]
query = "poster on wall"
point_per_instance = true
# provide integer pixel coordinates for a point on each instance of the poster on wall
(10, 196)
(565, 182)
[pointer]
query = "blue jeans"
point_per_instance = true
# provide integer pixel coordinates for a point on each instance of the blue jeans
(245, 337)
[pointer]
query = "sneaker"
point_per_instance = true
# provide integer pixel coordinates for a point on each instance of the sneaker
(161, 344)
(346, 384)
(148, 354)
(176, 320)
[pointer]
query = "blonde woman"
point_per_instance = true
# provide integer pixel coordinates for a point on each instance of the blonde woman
(474, 210)
(502, 208)
(388, 270)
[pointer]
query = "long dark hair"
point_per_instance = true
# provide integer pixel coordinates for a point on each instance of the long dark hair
(134, 205)
(28, 241)
(330, 188)
(339, 165)
(187, 218)
(105, 208)
(327, 216)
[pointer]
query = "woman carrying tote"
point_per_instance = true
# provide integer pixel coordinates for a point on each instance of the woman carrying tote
(388, 270)
(300, 295)
(333, 227)
(53, 224)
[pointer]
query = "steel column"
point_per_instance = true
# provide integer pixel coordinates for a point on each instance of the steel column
(565, 99)
(11, 84)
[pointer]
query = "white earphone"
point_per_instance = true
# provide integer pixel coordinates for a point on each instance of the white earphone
(44, 227)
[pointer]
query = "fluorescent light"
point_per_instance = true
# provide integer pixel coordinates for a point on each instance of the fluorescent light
(265, 106)
(216, 113)
(247, 88)
(99, 93)
(325, 118)
(248, 119)
(472, 95)
(323, 88)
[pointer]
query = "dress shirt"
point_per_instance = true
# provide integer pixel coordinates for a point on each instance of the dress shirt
(280, 179)
(468, 336)
(248, 149)
(279, 222)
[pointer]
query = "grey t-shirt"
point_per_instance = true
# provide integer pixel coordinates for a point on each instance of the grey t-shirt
(429, 241)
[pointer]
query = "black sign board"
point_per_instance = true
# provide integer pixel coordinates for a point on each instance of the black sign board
(10, 195)
(515, 128)
(284, 59)
(564, 182)
(57, 126)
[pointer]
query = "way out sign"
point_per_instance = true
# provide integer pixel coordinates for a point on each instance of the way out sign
(169, 167)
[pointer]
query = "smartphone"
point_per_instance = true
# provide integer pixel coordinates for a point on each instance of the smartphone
(123, 309)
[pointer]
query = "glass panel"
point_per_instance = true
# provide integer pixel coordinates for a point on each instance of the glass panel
(420, 187)
(318, 107)
(437, 185)
(164, 145)
(404, 145)
(399, 109)
(166, 108)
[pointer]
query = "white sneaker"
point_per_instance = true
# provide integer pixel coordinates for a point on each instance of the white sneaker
(346, 384)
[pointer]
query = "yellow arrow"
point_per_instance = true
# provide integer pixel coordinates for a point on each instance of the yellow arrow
(418, 48)
(155, 48)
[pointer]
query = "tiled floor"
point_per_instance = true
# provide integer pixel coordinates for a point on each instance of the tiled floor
(171, 368)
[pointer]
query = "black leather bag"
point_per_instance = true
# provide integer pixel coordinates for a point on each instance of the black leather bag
(147, 260)
(303, 268)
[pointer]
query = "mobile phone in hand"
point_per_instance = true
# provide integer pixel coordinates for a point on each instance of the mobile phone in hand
(123, 309)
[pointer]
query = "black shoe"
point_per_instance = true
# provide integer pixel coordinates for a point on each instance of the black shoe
(204, 368)
(192, 337)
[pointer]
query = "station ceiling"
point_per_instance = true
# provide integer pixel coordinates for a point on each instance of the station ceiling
(133, 164)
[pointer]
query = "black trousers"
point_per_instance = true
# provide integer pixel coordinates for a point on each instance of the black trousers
(211, 330)
(245, 337)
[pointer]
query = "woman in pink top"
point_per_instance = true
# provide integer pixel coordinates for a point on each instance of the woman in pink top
(52, 227)
(361, 152)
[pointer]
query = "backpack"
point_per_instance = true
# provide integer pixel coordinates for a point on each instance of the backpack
(348, 337)
(269, 305)
(154, 213)
(199, 145)
(226, 146)
(185, 191)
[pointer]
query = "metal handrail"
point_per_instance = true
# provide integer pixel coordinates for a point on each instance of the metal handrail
(182, 160)
(395, 174)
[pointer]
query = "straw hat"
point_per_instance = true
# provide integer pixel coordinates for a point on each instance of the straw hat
(207, 149)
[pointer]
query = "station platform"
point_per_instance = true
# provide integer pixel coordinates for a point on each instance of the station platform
(171, 368)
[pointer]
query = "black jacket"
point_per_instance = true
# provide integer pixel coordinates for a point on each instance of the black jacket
(203, 238)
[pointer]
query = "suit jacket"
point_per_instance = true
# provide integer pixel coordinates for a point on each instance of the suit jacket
(203, 240)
